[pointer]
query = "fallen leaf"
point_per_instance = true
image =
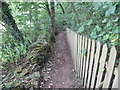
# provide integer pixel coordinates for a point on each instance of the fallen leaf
(25, 71)
(49, 69)
(46, 77)
(48, 72)
(37, 74)
(49, 77)
(42, 83)
(50, 85)
(19, 69)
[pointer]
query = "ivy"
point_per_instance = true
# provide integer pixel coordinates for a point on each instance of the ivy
(90, 22)
(97, 28)
(84, 52)
(81, 29)
(99, 21)
(110, 10)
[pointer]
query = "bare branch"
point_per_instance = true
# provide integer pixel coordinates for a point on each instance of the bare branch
(62, 8)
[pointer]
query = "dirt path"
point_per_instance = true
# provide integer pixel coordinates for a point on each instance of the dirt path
(59, 72)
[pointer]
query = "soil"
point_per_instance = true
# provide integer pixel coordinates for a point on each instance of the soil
(59, 71)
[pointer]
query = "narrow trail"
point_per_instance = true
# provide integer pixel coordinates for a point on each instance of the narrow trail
(59, 71)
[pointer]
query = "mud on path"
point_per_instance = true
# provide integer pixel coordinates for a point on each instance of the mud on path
(59, 71)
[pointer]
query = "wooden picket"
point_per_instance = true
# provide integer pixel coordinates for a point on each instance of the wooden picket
(81, 60)
(102, 64)
(95, 64)
(78, 55)
(95, 67)
(115, 82)
(84, 63)
(87, 62)
(76, 37)
(77, 60)
(110, 67)
(80, 45)
(91, 63)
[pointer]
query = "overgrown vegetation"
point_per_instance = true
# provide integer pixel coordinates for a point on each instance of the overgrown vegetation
(97, 20)
(23, 23)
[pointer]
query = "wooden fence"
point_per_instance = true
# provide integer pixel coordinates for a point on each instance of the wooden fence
(93, 62)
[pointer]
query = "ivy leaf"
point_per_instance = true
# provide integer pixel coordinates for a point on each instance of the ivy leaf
(108, 24)
(106, 37)
(93, 35)
(116, 19)
(98, 28)
(81, 29)
(84, 52)
(101, 70)
(110, 10)
(116, 31)
(115, 38)
(90, 22)
(104, 6)
(97, 5)
(101, 34)
(104, 21)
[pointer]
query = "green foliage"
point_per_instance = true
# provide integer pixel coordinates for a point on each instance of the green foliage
(81, 29)
(11, 51)
(97, 20)
(22, 74)
(100, 21)
(96, 5)
(110, 10)
(84, 52)
(1, 67)
(90, 22)
(15, 74)
(32, 21)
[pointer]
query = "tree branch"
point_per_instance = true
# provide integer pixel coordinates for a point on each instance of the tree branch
(47, 8)
(62, 8)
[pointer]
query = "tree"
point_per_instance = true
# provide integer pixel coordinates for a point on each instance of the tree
(10, 23)
(51, 12)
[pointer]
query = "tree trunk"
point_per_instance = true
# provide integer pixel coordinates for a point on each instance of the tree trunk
(53, 20)
(10, 24)
(51, 13)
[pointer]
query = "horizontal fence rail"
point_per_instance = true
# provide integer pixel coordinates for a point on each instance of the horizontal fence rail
(93, 62)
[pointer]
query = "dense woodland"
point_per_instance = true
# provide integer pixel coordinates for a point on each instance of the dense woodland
(30, 26)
